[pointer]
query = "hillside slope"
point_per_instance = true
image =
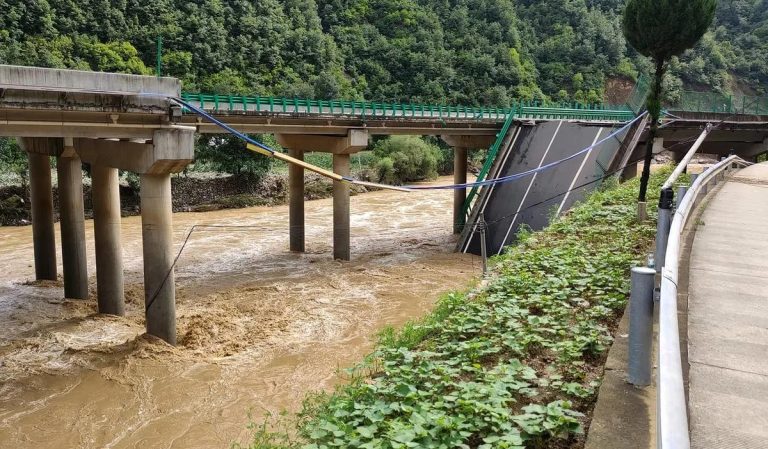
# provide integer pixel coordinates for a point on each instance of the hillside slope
(475, 52)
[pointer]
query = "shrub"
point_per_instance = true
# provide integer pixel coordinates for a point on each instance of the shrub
(13, 160)
(406, 158)
(228, 154)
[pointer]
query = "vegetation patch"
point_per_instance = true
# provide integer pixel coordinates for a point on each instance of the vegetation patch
(514, 364)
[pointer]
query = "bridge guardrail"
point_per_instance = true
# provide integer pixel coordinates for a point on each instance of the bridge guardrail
(363, 109)
(672, 416)
(718, 103)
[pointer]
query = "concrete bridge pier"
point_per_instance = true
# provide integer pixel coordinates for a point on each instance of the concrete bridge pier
(72, 222)
(296, 203)
(157, 241)
(110, 287)
(341, 147)
(169, 151)
(39, 151)
(461, 146)
(341, 209)
(459, 195)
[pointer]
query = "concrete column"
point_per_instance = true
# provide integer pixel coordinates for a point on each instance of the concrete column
(459, 195)
(73, 256)
(156, 232)
(109, 248)
(296, 208)
(630, 171)
(341, 208)
(43, 235)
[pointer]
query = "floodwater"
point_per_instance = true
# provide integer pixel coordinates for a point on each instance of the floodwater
(258, 327)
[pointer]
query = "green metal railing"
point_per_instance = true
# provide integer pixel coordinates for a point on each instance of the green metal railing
(362, 109)
(705, 102)
(489, 159)
(719, 103)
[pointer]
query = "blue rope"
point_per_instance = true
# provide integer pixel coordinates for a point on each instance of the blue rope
(221, 124)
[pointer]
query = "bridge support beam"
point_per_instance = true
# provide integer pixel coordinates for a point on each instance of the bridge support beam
(459, 195)
(109, 249)
(296, 207)
(157, 233)
(341, 209)
(41, 196)
(73, 255)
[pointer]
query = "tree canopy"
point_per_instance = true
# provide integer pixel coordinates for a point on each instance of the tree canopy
(662, 29)
(473, 52)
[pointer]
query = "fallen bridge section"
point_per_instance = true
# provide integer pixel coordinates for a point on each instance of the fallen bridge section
(532, 200)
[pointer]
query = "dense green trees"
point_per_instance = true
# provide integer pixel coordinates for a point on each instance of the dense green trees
(471, 52)
(474, 52)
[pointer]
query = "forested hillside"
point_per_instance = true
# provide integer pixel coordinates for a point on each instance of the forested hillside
(474, 52)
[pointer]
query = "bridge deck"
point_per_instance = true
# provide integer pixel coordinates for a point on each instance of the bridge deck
(728, 317)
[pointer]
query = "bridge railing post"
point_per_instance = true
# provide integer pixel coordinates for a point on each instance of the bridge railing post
(641, 326)
(481, 227)
(663, 224)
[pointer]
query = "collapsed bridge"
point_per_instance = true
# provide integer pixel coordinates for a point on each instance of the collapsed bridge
(147, 126)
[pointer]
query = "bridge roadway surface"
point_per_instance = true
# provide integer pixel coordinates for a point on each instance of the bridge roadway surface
(728, 317)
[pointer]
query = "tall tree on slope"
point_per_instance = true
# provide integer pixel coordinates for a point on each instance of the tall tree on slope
(661, 29)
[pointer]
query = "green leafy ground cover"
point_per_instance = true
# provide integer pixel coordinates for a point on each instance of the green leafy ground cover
(513, 364)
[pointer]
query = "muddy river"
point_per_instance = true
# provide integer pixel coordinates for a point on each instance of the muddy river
(258, 326)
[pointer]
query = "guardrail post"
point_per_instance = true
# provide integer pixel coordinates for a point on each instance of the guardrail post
(666, 200)
(681, 191)
(481, 226)
(641, 326)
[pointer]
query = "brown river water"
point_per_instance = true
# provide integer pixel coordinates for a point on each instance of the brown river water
(258, 327)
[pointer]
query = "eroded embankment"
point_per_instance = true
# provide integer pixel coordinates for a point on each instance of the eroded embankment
(258, 326)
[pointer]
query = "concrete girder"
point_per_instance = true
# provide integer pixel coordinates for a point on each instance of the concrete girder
(169, 152)
(35, 86)
(717, 135)
(354, 141)
(46, 146)
(471, 142)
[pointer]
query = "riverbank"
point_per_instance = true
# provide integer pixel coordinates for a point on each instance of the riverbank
(515, 363)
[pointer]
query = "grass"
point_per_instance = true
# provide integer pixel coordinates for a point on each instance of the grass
(513, 364)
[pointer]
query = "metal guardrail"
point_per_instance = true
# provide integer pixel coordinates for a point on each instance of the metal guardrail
(718, 103)
(234, 104)
(672, 414)
(489, 159)
(704, 102)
